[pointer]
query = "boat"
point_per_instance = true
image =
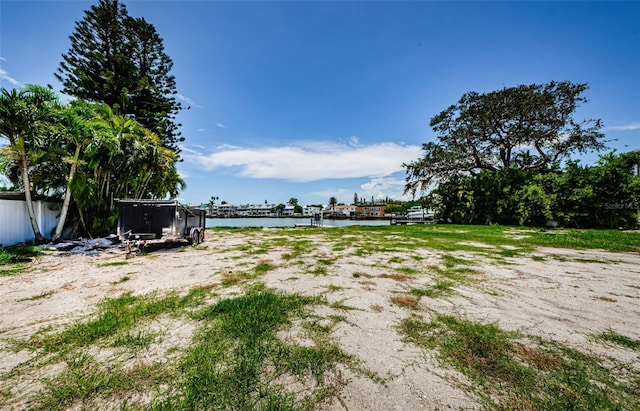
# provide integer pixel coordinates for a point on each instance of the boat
(419, 213)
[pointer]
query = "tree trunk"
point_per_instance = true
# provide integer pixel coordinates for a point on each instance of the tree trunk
(67, 196)
(27, 196)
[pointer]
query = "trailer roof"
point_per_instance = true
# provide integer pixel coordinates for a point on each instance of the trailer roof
(147, 201)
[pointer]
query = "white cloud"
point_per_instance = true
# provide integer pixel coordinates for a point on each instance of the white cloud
(3, 59)
(380, 188)
(187, 100)
(220, 125)
(624, 127)
(5, 76)
(311, 162)
(353, 141)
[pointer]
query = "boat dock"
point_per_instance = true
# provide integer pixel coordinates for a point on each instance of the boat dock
(405, 221)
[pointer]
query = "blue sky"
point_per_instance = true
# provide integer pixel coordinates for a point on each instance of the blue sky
(317, 99)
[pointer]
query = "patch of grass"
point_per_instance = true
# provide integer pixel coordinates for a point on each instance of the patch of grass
(113, 264)
(38, 297)
(13, 270)
(122, 279)
(406, 301)
(538, 258)
(319, 270)
(396, 276)
(395, 259)
(134, 340)
(450, 261)
(237, 361)
(611, 336)
(84, 381)
(22, 253)
(407, 270)
(442, 287)
(263, 267)
(510, 372)
(340, 305)
(115, 316)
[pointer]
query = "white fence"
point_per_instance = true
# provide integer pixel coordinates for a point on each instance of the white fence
(14, 219)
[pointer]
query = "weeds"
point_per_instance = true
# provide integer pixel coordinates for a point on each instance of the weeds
(611, 336)
(508, 373)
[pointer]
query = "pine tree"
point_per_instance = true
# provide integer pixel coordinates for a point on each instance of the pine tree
(120, 61)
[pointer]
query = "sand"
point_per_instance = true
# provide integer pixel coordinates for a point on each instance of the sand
(561, 295)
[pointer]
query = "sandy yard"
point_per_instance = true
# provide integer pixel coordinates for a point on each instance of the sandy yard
(562, 295)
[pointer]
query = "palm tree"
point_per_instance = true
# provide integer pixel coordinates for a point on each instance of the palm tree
(24, 116)
(83, 131)
(332, 203)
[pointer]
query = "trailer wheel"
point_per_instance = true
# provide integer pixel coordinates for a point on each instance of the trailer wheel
(194, 236)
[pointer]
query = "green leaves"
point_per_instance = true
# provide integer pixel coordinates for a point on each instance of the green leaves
(524, 127)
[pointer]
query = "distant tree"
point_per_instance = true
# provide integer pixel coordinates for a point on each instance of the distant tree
(525, 127)
(120, 61)
(279, 209)
(297, 209)
(333, 201)
(293, 201)
(355, 198)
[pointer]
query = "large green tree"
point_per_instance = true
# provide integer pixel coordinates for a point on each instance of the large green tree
(523, 127)
(25, 116)
(120, 61)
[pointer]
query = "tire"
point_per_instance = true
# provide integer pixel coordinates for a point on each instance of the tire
(195, 236)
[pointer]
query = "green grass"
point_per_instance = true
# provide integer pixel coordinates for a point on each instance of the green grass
(122, 279)
(619, 339)
(235, 360)
(13, 260)
(512, 371)
(38, 297)
(18, 254)
(440, 288)
(113, 264)
(114, 317)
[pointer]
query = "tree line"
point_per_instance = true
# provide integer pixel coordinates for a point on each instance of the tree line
(117, 137)
(504, 157)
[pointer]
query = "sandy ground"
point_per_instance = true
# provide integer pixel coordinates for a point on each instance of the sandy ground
(561, 295)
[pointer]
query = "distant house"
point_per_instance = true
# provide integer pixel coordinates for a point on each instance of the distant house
(289, 210)
(348, 210)
(15, 226)
(371, 210)
(256, 210)
(311, 210)
(224, 210)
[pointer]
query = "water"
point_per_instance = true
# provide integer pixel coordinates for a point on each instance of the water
(285, 222)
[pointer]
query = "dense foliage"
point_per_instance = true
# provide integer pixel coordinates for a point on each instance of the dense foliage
(83, 153)
(120, 61)
(604, 195)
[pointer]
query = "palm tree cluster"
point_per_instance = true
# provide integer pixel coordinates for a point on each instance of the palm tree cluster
(82, 153)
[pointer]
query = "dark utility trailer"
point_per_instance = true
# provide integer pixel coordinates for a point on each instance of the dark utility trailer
(144, 222)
